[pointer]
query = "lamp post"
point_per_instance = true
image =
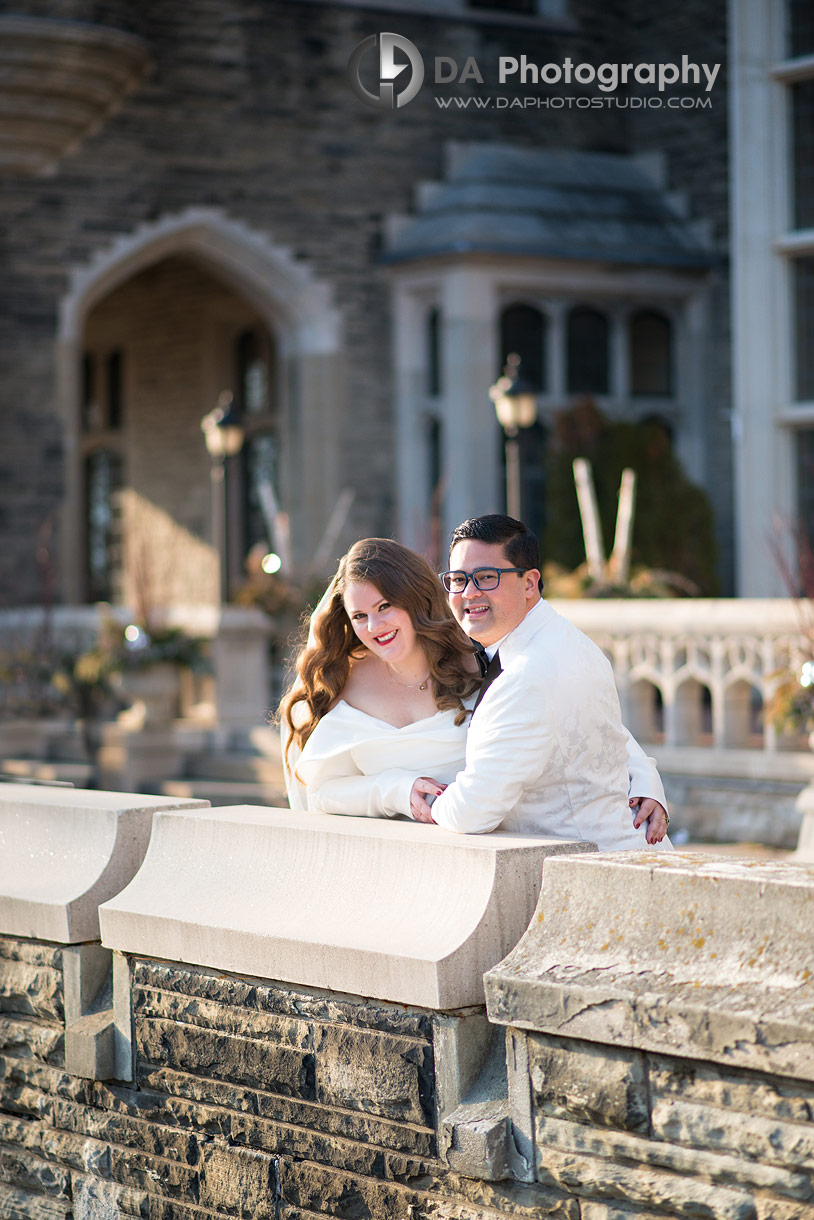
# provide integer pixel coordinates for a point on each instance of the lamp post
(223, 436)
(515, 402)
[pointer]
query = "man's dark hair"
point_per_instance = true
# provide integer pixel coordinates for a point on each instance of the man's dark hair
(519, 544)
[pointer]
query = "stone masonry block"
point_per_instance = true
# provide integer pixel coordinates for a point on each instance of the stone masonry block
(374, 1072)
(767, 1140)
(693, 1164)
(225, 1016)
(18, 1204)
(315, 1188)
(20, 1168)
(30, 990)
(19, 1036)
(35, 953)
(217, 1100)
(713, 1085)
(240, 1182)
(85, 972)
(392, 1077)
(644, 1187)
(294, 1140)
(521, 1151)
(475, 1140)
(90, 1047)
(696, 980)
(589, 1083)
(94, 1199)
(257, 1064)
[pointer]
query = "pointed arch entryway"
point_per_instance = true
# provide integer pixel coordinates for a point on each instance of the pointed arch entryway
(251, 306)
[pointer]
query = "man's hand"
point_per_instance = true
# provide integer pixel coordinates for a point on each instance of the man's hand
(650, 811)
(419, 809)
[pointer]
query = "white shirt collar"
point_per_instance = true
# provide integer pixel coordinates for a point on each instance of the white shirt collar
(517, 634)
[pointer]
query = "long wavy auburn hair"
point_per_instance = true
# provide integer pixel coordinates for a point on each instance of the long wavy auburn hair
(406, 581)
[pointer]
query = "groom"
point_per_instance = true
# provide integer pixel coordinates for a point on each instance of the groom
(546, 749)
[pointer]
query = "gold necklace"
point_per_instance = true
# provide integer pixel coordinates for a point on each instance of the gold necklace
(422, 685)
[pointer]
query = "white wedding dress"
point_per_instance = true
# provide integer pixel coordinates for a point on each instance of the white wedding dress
(354, 763)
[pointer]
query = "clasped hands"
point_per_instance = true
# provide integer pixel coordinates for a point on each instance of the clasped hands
(644, 808)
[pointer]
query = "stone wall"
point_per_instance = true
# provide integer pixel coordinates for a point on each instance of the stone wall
(251, 1099)
(659, 1043)
(261, 1101)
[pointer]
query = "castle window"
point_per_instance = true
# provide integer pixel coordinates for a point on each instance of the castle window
(434, 353)
(523, 330)
(103, 549)
(650, 338)
(588, 362)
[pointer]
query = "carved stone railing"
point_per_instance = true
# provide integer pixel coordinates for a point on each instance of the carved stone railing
(698, 672)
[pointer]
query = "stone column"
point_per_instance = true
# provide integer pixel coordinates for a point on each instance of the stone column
(242, 688)
(411, 456)
(760, 312)
(469, 360)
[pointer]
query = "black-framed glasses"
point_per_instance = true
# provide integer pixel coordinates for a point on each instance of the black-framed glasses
(484, 579)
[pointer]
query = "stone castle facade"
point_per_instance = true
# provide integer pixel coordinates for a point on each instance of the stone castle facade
(193, 199)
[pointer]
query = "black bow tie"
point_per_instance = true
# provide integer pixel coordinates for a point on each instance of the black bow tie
(493, 669)
(482, 658)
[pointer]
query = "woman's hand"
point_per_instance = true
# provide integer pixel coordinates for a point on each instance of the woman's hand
(648, 810)
(419, 807)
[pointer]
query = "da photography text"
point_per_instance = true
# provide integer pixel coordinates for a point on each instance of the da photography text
(387, 71)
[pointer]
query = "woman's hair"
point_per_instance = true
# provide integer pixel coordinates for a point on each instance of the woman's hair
(406, 581)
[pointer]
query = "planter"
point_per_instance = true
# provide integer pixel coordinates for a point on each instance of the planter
(153, 691)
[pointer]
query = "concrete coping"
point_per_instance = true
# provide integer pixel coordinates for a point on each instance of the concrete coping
(686, 954)
(391, 910)
(64, 850)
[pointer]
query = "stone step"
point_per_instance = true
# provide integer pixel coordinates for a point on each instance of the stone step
(243, 768)
(225, 792)
(79, 774)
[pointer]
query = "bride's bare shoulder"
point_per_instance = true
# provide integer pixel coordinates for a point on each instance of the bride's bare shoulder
(366, 678)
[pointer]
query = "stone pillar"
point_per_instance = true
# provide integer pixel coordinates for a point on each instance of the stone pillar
(656, 1064)
(242, 684)
(469, 361)
(311, 481)
(410, 312)
(764, 476)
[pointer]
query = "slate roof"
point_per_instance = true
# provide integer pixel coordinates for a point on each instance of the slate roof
(554, 203)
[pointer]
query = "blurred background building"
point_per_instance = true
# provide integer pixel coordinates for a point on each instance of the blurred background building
(193, 200)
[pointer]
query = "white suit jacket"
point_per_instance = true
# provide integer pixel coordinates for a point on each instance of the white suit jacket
(546, 750)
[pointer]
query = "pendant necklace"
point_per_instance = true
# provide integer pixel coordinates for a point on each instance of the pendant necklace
(422, 685)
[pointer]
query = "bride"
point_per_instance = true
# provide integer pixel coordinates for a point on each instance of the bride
(384, 688)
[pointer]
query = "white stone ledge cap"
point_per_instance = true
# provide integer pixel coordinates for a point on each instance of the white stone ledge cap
(393, 910)
(683, 953)
(65, 850)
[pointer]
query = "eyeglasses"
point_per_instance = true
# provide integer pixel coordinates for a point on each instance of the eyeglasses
(482, 578)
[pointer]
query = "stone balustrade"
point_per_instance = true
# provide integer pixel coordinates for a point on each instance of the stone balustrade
(697, 672)
(294, 1026)
(694, 678)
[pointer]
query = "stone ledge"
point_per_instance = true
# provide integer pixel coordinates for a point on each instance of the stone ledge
(63, 851)
(392, 910)
(687, 954)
